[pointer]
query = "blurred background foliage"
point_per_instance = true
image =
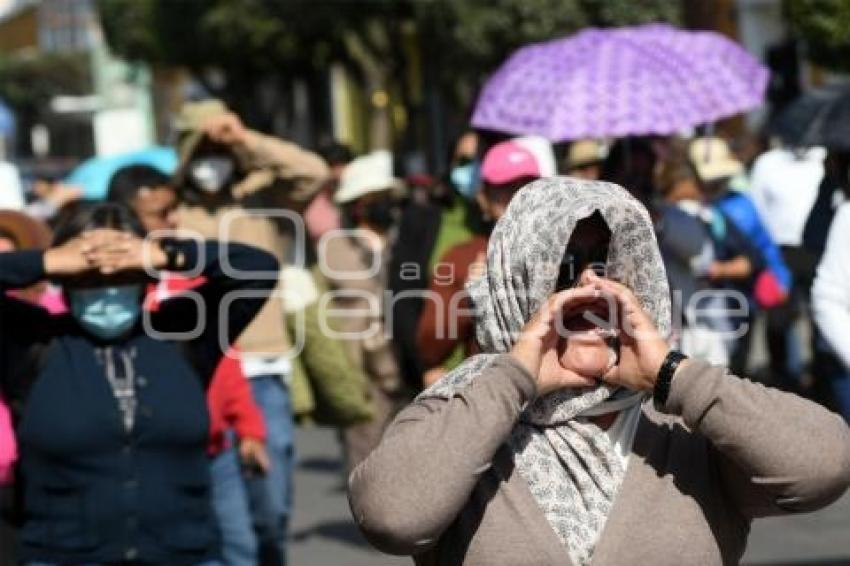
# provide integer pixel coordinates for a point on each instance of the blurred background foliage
(30, 80)
(823, 26)
(236, 48)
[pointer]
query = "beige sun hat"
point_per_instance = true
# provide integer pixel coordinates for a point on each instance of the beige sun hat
(189, 122)
(583, 153)
(713, 159)
(370, 173)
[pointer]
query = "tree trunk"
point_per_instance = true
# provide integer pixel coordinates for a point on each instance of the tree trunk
(376, 75)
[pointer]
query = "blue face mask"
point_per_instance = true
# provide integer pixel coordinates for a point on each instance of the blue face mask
(465, 179)
(106, 312)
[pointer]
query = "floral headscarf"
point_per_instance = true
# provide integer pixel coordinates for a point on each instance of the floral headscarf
(569, 463)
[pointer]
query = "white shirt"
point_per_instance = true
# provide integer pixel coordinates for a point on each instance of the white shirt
(784, 187)
(11, 192)
(257, 365)
(831, 290)
(622, 433)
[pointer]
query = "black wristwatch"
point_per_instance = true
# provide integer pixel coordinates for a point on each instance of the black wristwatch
(665, 377)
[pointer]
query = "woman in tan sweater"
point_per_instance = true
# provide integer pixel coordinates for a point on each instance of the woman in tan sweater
(545, 450)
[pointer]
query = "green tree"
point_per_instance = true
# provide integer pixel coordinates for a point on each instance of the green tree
(237, 48)
(476, 36)
(28, 81)
(242, 50)
(824, 28)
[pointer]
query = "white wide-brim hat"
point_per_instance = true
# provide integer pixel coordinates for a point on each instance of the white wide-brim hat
(370, 173)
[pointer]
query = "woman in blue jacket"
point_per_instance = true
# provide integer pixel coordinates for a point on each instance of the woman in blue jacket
(718, 168)
(113, 421)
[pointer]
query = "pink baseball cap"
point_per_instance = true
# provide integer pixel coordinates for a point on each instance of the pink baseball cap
(508, 161)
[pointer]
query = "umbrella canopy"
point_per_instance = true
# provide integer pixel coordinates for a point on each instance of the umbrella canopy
(832, 130)
(651, 79)
(802, 122)
(93, 175)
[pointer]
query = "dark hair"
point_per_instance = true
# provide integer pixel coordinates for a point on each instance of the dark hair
(510, 186)
(75, 220)
(335, 153)
(126, 183)
(630, 163)
(673, 171)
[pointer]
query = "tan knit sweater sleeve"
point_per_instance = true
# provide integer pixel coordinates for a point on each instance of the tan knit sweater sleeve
(773, 452)
(413, 485)
(776, 452)
(271, 159)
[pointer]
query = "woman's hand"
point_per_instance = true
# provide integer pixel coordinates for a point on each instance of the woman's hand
(111, 251)
(642, 348)
(106, 251)
(228, 129)
(536, 347)
(68, 259)
(253, 454)
(736, 268)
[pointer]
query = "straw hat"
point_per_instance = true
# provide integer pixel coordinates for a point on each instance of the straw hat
(370, 173)
(713, 159)
(191, 119)
(27, 232)
(583, 153)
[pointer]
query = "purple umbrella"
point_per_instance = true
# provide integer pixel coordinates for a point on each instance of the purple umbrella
(651, 79)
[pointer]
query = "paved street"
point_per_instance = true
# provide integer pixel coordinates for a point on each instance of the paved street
(818, 539)
(323, 534)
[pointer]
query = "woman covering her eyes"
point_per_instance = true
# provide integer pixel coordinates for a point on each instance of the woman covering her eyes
(113, 421)
(578, 436)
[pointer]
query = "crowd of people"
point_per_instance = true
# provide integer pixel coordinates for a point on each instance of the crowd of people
(159, 347)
